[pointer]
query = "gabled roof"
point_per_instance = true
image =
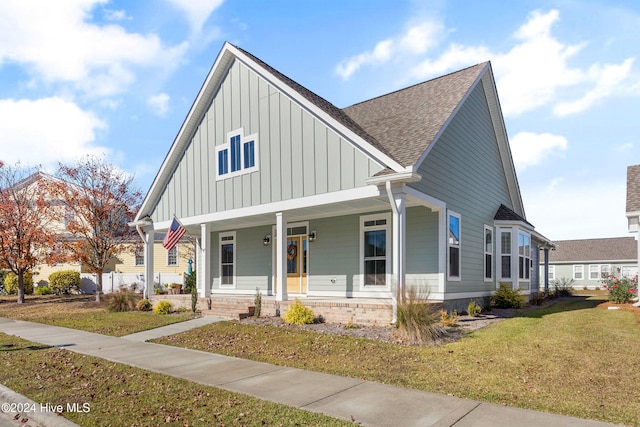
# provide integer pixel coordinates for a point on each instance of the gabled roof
(585, 250)
(396, 130)
(633, 189)
(407, 121)
(505, 214)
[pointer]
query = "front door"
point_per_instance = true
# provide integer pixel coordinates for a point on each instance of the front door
(297, 264)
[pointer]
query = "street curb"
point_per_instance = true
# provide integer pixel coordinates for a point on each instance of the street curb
(44, 419)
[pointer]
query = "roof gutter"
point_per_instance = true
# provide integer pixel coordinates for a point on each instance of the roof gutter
(140, 224)
(400, 177)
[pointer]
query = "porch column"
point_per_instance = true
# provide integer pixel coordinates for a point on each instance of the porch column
(546, 270)
(203, 267)
(148, 263)
(281, 257)
(637, 303)
(398, 200)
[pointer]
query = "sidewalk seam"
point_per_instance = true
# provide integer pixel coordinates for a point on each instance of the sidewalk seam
(465, 415)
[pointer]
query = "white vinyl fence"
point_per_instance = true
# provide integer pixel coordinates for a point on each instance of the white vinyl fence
(112, 282)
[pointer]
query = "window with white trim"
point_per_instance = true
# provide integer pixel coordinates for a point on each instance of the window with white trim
(524, 255)
(599, 271)
(375, 249)
(138, 256)
(237, 156)
(578, 272)
(172, 256)
(505, 254)
(453, 244)
(552, 273)
(227, 259)
(488, 253)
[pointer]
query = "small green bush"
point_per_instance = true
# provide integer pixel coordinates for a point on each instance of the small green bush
(563, 287)
(449, 319)
(298, 314)
(163, 307)
(43, 290)
(621, 289)
(417, 318)
(190, 282)
(473, 309)
(11, 283)
(144, 305)
(65, 281)
(124, 300)
(506, 297)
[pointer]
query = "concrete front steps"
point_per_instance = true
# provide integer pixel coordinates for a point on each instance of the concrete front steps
(333, 310)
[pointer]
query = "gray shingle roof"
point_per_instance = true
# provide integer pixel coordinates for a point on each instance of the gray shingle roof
(608, 249)
(408, 120)
(506, 214)
(633, 188)
(400, 124)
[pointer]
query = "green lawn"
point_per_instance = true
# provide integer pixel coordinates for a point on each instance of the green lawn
(120, 395)
(82, 312)
(572, 358)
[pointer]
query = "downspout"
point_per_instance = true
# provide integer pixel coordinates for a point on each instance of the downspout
(396, 292)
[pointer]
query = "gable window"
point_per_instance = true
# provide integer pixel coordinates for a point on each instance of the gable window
(374, 249)
(172, 256)
(453, 222)
(138, 256)
(524, 255)
(227, 259)
(505, 254)
(488, 253)
(237, 156)
(578, 272)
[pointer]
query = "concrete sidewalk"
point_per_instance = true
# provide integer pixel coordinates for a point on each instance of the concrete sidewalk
(366, 402)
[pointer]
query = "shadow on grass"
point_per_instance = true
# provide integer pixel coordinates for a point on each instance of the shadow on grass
(14, 347)
(573, 303)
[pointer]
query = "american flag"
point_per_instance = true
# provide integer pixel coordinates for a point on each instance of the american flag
(175, 233)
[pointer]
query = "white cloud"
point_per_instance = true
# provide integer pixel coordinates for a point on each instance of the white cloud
(116, 15)
(530, 149)
(159, 104)
(416, 40)
(46, 131)
(58, 44)
(607, 80)
(197, 11)
(564, 209)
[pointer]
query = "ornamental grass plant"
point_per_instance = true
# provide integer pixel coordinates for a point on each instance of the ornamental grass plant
(418, 320)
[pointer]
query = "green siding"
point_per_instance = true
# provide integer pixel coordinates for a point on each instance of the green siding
(298, 155)
(464, 170)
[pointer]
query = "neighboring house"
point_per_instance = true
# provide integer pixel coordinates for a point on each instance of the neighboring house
(588, 261)
(413, 188)
(169, 266)
(633, 204)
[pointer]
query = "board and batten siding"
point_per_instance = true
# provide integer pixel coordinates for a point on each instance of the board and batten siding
(297, 154)
(464, 170)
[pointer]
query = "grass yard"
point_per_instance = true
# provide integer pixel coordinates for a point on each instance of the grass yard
(82, 312)
(120, 395)
(573, 358)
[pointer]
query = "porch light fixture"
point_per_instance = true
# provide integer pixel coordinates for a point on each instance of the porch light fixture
(267, 240)
(312, 236)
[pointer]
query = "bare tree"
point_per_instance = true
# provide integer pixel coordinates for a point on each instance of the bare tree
(28, 227)
(103, 201)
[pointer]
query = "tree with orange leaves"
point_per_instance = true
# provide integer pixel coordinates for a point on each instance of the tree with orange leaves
(27, 221)
(103, 201)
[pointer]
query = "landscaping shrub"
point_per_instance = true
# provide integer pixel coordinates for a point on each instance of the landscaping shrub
(163, 307)
(65, 281)
(473, 309)
(506, 297)
(257, 302)
(298, 314)
(563, 287)
(144, 305)
(448, 319)
(11, 283)
(124, 300)
(621, 290)
(43, 290)
(190, 282)
(417, 318)
(537, 298)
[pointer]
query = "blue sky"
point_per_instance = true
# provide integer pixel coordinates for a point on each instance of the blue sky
(84, 77)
